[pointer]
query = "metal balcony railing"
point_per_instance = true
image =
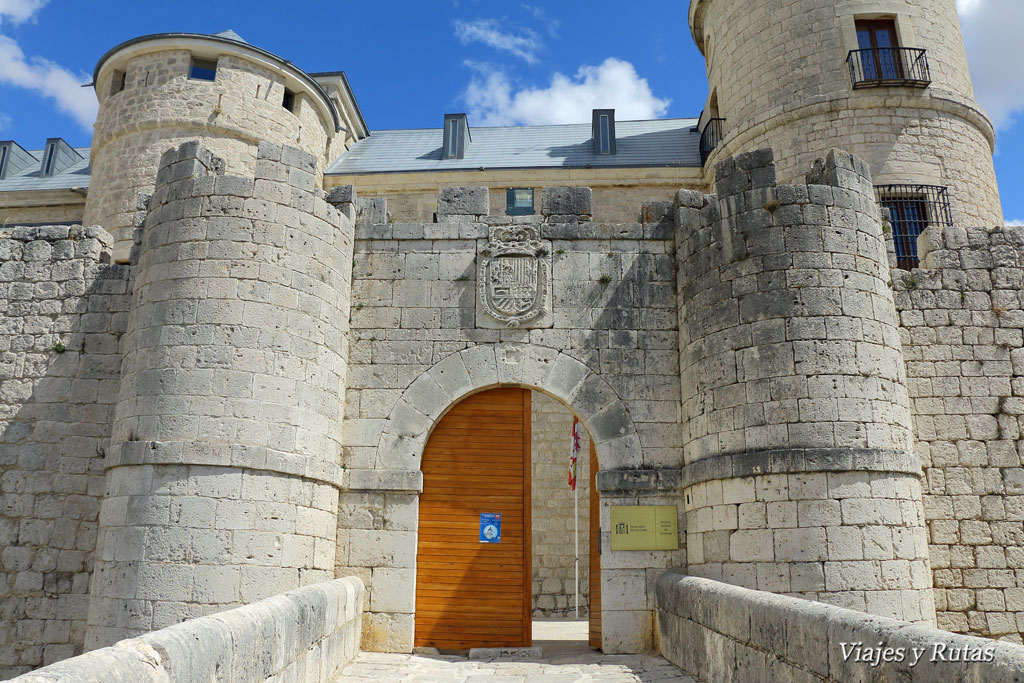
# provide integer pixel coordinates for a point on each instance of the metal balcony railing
(710, 137)
(884, 66)
(912, 208)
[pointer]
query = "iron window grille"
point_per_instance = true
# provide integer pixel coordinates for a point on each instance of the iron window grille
(885, 66)
(912, 208)
(711, 137)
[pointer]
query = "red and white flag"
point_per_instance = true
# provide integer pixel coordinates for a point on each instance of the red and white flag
(575, 451)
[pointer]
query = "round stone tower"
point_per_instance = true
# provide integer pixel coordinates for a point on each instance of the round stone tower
(886, 81)
(799, 474)
(158, 91)
(223, 469)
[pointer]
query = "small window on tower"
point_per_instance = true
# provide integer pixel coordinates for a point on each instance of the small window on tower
(203, 69)
(117, 82)
(289, 100)
(519, 201)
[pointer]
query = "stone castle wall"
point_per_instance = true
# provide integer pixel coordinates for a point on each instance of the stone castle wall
(962, 317)
(223, 469)
(554, 587)
(64, 305)
(160, 107)
(416, 348)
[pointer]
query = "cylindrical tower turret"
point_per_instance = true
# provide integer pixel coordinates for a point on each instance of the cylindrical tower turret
(799, 474)
(887, 81)
(159, 91)
(223, 470)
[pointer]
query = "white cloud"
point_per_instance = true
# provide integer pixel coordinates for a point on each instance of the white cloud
(1016, 223)
(991, 34)
(5, 121)
(614, 84)
(487, 31)
(49, 80)
(19, 11)
(540, 15)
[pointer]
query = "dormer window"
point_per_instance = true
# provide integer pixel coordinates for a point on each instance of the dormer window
(456, 136)
(203, 69)
(604, 131)
(13, 159)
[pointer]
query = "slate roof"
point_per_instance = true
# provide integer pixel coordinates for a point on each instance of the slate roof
(77, 175)
(231, 35)
(659, 142)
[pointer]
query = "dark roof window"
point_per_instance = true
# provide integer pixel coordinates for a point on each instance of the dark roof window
(203, 69)
(456, 136)
(604, 131)
(58, 157)
(14, 159)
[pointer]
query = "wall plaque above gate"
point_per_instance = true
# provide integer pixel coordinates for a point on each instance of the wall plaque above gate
(514, 279)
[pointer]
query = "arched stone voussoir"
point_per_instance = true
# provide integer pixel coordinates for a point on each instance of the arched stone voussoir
(530, 366)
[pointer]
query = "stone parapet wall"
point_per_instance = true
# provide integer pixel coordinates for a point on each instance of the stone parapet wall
(64, 305)
(223, 469)
(962, 317)
(718, 632)
(308, 634)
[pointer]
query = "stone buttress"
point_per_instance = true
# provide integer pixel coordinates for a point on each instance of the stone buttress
(798, 476)
(223, 475)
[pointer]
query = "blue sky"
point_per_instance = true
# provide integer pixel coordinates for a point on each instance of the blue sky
(411, 61)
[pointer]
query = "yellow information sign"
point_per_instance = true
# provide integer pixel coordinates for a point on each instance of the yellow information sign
(644, 527)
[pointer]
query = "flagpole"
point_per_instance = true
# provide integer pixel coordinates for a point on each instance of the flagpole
(576, 540)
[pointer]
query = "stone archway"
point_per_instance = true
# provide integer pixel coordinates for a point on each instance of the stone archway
(428, 399)
(530, 366)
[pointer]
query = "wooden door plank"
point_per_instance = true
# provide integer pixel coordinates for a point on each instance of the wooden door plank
(470, 594)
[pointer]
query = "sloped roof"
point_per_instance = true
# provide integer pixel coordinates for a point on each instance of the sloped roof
(231, 35)
(658, 142)
(77, 175)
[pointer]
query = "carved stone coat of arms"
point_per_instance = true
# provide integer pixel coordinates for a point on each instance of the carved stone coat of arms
(513, 278)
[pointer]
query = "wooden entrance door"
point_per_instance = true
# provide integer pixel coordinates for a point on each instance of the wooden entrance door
(477, 460)
(594, 637)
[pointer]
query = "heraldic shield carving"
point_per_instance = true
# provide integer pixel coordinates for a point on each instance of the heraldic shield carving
(514, 273)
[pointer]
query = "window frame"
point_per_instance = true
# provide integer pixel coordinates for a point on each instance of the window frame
(510, 202)
(195, 66)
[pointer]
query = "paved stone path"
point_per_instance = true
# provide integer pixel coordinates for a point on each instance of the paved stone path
(378, 667)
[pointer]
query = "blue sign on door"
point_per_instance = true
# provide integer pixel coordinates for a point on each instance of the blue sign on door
(490, 527)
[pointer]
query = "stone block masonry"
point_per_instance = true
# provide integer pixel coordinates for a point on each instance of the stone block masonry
(223, 471)
(610, 354)
(308, 634)
(962, 317)
(554, 590)
(64, 307)
(799, 476)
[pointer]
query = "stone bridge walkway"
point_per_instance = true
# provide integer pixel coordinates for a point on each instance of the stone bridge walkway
(375, 667)
(565, 658)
